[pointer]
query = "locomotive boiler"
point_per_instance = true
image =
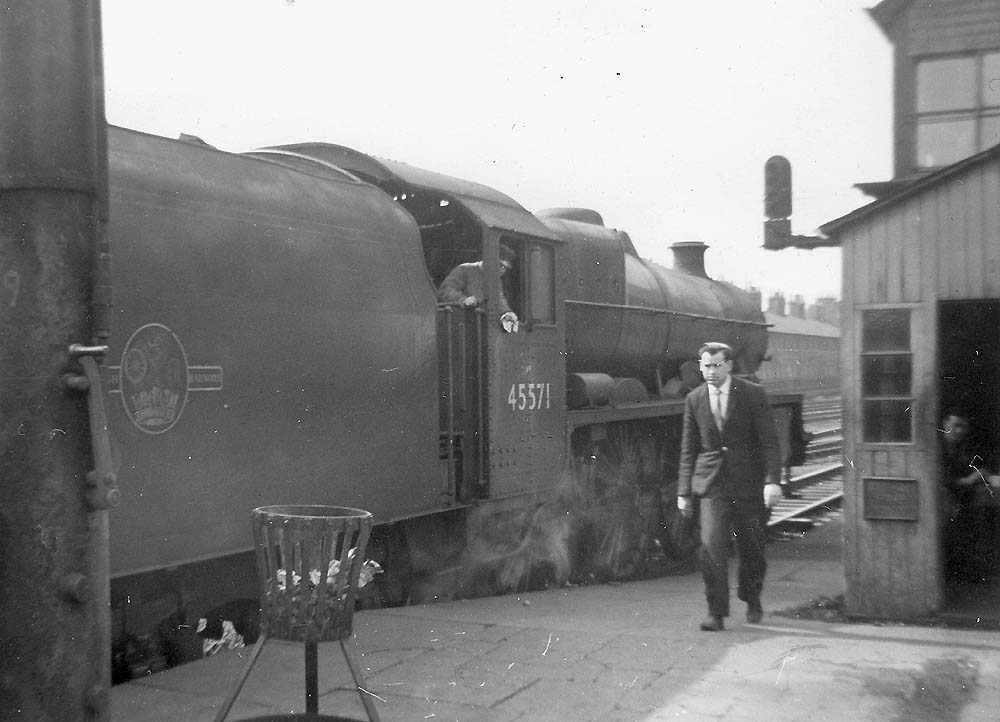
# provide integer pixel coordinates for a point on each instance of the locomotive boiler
(633, 318)
(277, 340)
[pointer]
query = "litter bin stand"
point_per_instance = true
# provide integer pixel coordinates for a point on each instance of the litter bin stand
(309, 560)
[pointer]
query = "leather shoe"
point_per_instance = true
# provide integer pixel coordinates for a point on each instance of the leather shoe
(754, 612)
(712, 624)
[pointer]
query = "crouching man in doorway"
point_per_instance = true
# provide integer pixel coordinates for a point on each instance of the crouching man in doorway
(730, 464)
(971, 512)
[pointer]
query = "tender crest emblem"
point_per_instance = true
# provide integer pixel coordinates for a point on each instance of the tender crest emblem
(154, 378)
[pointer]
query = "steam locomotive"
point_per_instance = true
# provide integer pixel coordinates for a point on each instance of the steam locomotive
(277, 339)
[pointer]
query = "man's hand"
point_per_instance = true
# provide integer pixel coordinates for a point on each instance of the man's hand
(685, 507)
(509, 322)
(772, 494)
(470, 302)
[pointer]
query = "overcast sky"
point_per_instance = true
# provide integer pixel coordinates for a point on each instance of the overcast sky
(657, 114)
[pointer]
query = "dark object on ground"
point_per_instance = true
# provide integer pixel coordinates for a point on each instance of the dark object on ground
(824, 609)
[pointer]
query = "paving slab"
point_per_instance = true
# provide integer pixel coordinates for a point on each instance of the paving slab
(884, 679)
(624, 652)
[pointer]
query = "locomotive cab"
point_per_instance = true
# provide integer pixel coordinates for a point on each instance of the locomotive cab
(501, 387)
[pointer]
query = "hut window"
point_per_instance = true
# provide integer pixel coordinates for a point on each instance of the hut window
(886, 376)
(957, 107)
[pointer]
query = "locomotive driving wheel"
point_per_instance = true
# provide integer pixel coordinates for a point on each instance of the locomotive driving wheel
(619, 521)
(678, 537)
(631, 526)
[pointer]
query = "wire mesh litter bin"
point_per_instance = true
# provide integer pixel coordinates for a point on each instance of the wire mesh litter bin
(309, 560)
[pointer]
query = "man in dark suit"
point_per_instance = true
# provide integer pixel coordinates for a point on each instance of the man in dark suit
(731, 462)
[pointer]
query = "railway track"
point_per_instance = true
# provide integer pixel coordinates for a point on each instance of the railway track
(822, 447)
(823, 410)
(815, 491)
(819, 486)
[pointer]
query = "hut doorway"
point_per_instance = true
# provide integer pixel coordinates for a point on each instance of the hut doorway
(969, 385)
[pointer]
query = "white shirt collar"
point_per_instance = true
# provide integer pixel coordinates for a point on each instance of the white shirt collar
(727, 385)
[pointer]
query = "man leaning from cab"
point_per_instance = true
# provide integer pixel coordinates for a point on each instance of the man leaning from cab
(466, 285)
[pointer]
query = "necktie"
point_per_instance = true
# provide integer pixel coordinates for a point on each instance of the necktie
(717, 408)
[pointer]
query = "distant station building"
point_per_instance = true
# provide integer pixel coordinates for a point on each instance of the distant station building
(825, 309)
(921, 311)
(803, 353)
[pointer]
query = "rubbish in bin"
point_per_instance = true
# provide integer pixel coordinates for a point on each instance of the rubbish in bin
(369, 568)
(231, 639)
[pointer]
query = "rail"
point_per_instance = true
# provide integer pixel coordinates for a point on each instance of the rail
(821, 488)
(823, 447)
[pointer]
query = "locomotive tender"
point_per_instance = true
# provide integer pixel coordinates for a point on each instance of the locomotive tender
(277, 340)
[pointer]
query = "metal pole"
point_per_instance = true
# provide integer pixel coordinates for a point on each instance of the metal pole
(54, 611)
(312, 678)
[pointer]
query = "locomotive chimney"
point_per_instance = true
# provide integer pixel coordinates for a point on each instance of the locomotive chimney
(689, 257)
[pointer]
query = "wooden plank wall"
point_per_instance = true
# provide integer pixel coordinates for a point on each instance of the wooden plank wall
(942, 244)
(949, 26)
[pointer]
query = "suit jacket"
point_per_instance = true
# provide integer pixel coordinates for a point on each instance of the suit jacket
(732, 461)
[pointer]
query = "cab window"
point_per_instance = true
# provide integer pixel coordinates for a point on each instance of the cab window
(541, 283)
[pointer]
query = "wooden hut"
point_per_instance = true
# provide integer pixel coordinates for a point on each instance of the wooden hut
(921, 332)
(920, 313)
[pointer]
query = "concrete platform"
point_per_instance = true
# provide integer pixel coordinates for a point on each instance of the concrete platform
(612, 652)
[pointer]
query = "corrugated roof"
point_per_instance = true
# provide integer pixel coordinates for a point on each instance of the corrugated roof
(800, 326)
(834, 227)
(886, 12)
